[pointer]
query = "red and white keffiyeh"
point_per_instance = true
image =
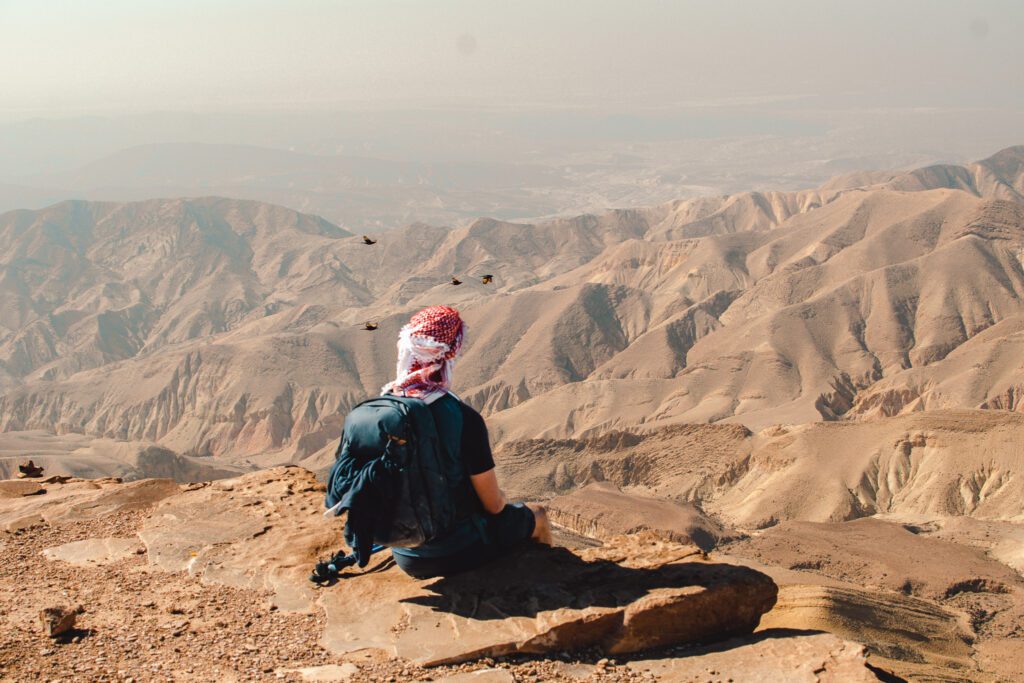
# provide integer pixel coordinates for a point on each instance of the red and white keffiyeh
(427, 348)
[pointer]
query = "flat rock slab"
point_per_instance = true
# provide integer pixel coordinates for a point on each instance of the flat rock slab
(327, 672)
(768, 657)
(636, 593)
(263, 530)
(94, 551)
(892, 624)
(79, 499)
(601, 510)
(16, 488)
(481, 676)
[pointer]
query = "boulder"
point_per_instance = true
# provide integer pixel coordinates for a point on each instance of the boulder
(913, 638)
(635, 593)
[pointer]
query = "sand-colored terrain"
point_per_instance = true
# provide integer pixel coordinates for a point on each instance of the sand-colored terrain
(208, 582)
(902, 533)
(822, 389)
(232, 329)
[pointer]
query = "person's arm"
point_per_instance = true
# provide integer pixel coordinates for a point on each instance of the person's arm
(476, 450)
(487, 490)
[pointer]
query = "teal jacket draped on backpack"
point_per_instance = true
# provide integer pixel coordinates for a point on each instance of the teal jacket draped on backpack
(398, 474)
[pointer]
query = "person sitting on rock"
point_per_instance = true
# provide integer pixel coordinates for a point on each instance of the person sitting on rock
(491, 526)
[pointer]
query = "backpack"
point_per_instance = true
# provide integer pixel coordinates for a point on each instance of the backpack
(398, 479)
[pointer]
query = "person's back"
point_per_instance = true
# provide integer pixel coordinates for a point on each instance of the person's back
(486, 526)
(489, 526)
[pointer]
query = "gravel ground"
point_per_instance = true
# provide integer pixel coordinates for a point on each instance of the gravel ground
(141, 624)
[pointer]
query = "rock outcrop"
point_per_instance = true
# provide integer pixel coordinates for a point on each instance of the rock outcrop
(601, 510)
(634, 594)
(770, 655)
(264, 531)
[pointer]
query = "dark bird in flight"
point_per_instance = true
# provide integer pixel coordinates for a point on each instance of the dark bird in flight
(30, 469)
(487, 279)
(367, 240)
(370, 327)
(456, 281)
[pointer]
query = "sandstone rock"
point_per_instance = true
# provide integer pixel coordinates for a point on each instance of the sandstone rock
(260, 530)
(56, 621)
(601, 510)
(873, 552)
(93, 551)
(914, 638)
(768, 657)
(16, 488)
(264, 530)
(83, 499)
(327, 672)
(480, 676)
(637, 593)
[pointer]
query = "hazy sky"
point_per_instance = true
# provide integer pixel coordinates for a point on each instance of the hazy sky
(108, 56)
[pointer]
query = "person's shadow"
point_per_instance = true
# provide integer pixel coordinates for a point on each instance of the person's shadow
(542, 579)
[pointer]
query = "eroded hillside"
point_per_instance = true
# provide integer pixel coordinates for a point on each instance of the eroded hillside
(227, 328)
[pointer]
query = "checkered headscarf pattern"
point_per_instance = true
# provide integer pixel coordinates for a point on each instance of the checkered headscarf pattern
(427, 348)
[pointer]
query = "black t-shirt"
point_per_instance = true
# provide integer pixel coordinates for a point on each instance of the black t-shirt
(475, 445)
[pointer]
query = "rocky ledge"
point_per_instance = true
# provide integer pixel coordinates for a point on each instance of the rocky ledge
(262, 532)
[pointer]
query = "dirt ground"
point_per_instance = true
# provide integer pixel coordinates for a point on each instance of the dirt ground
(141, 624)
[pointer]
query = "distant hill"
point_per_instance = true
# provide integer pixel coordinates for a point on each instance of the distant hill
(361, 191)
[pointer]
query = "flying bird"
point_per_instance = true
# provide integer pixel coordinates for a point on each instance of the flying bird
(456, 281)
(367, 240)
(30, 469)
(487, 279)
(370, 327)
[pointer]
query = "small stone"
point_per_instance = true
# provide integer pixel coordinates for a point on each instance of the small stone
(57, 621)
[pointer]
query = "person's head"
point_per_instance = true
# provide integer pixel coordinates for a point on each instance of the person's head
(427, 348)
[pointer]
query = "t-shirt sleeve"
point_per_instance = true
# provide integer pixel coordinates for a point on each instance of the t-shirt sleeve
(476, 446)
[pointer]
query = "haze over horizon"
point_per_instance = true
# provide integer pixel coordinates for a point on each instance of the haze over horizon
(123, 57)
(544, 110)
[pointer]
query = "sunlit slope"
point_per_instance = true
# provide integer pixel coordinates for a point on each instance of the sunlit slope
(233, 328)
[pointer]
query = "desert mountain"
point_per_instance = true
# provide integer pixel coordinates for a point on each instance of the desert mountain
(232, 328)
(1001, 176)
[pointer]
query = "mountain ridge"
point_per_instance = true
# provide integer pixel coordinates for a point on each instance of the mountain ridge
(760, 308)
